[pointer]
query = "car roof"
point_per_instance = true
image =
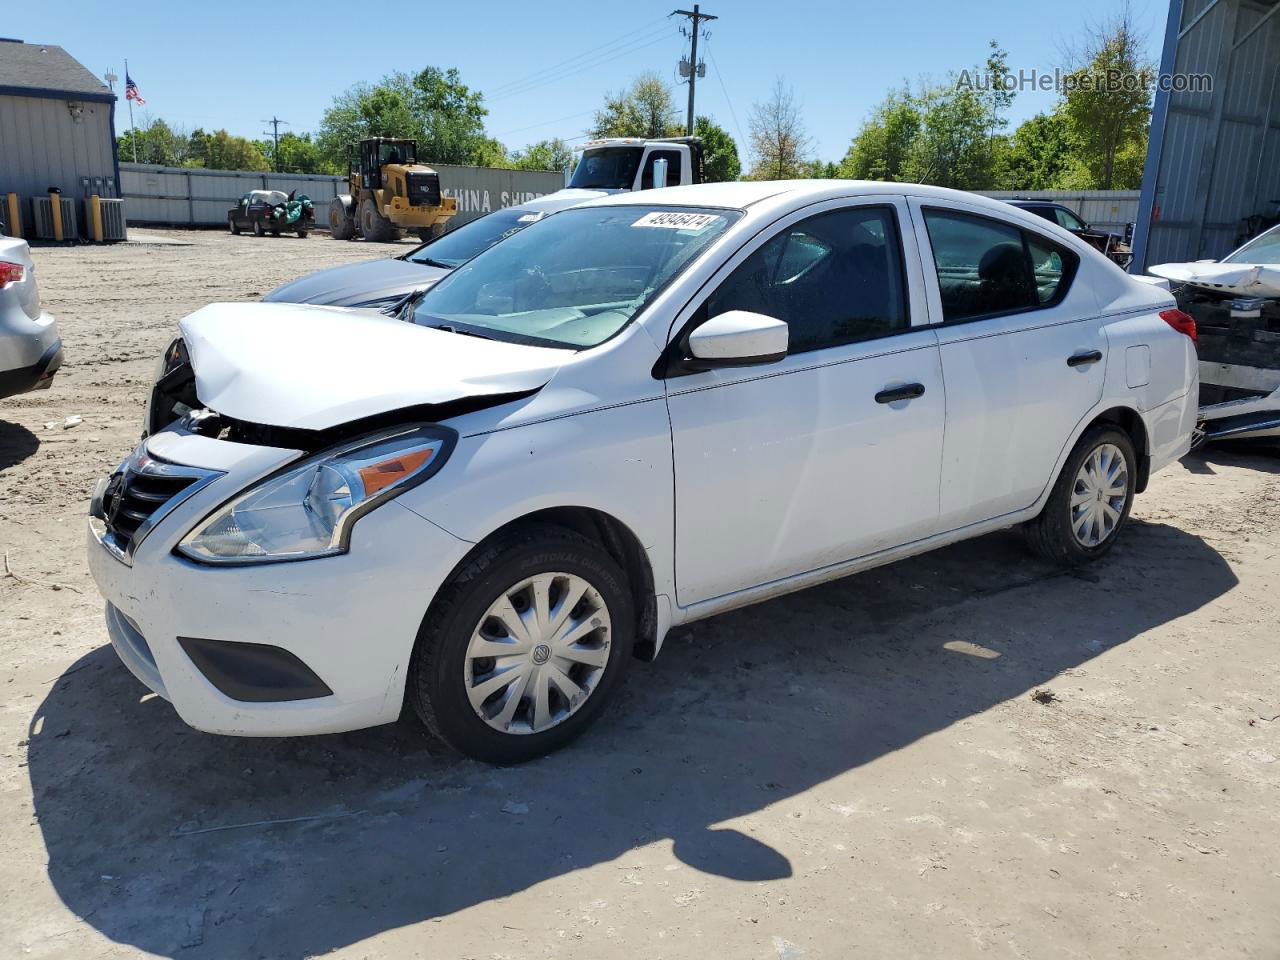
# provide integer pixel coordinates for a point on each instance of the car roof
(741, 194)
(551, 202)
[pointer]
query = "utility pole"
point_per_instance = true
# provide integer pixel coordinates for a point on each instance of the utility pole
(275, 135)
(696, 16)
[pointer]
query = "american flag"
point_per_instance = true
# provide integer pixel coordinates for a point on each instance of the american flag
(131, 90)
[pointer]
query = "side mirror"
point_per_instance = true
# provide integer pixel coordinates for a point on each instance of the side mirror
(738, 338)
(659, 173)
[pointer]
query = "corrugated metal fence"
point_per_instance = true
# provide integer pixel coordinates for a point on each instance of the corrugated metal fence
(177, 196)
(1110, 210)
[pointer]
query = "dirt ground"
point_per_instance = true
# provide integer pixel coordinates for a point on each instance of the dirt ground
(964, 755)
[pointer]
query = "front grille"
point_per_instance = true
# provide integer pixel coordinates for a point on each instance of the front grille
(132, 497)
(138, 495)
(424, 189)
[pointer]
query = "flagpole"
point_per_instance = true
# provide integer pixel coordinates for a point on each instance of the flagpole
(129, 100)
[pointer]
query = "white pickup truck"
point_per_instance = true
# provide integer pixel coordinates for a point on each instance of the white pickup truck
(635, 163)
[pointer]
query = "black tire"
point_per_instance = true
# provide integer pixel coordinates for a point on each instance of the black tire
(436, 685)
(374, 225)
(275, 231)
(302, 233)
(232, 226)
(1051, 534)
(342, 226)
(257, 228)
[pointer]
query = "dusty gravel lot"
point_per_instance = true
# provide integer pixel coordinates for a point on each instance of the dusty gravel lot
(860, 770)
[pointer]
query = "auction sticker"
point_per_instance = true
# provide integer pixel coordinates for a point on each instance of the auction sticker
(675, 220)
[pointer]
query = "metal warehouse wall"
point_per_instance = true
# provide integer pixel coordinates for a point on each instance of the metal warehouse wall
(196, 197)
(1111, 210)
(1214, 158)
(43, 144)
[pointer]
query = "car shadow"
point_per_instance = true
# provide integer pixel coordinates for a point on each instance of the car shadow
(16, 444)
(162, 838)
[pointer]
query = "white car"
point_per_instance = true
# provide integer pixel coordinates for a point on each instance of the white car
(30, 349)
(634, 414)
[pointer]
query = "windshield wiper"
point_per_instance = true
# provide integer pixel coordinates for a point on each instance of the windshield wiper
(449, 328)
(428, 262)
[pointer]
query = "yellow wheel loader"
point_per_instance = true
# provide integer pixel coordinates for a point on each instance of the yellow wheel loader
(390, 192)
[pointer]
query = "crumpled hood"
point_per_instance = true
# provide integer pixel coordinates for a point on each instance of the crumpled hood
(356, 283)
(311, 368)
(1245, 279)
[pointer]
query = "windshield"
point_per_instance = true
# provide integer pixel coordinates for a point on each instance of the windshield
(607, 168)
(461, 244)
(1261, 249)
(575, 279)
(397, 153)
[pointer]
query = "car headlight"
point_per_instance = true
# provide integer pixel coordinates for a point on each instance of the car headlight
(307, 510)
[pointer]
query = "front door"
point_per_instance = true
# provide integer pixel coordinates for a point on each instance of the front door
(833, 452)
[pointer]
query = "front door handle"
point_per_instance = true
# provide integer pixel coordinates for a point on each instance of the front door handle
(1084, 359)
(906, 392)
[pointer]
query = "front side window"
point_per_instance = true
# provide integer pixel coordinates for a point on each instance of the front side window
(673, 168)
(462, 243)
(575, 279)
(835, 278)
(607, 168)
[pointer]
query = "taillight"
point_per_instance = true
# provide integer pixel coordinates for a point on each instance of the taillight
(10, 273)
(1182, 322)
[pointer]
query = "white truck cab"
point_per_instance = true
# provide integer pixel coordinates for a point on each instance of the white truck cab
(637, 163)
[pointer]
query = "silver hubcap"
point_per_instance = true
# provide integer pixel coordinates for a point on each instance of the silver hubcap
(537, 653)
(1097, 501)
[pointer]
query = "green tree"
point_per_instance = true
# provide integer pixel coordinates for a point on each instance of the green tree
(1038, 155)
(778, 139)
(720, 152)
(433, 107)
(879, 150)
(543, 155)
(952, 147)
(221, 150)
(1107, 105)
(156, 143)
(645, 109)
(298, 154)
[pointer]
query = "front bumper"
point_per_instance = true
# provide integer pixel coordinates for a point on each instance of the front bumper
(349, 620)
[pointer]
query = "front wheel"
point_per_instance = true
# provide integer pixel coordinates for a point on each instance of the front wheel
(233, 226)
(523, 646)
(1090, 501)
(302, 233)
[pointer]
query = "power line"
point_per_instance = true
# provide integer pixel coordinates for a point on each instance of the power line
(725, 90)
(502, 88)
(597, 60)
(545, 123)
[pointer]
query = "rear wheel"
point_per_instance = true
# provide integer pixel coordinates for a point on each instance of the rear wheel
(302, 233)
(374, 225)
(1090, 501)
(523, 646)
(257, 228)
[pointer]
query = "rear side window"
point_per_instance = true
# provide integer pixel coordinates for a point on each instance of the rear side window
(988, 267)
(1068, 220)
(835, 278)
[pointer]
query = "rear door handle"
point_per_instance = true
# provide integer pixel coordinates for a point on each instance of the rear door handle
(906, 392)
(1084, 359)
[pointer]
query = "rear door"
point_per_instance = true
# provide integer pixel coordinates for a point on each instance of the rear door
(1023, 354)
(807, 462)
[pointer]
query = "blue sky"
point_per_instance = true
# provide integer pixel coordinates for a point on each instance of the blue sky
(545, 66)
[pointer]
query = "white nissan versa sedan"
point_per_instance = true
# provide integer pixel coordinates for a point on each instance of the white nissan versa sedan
(633, 414)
